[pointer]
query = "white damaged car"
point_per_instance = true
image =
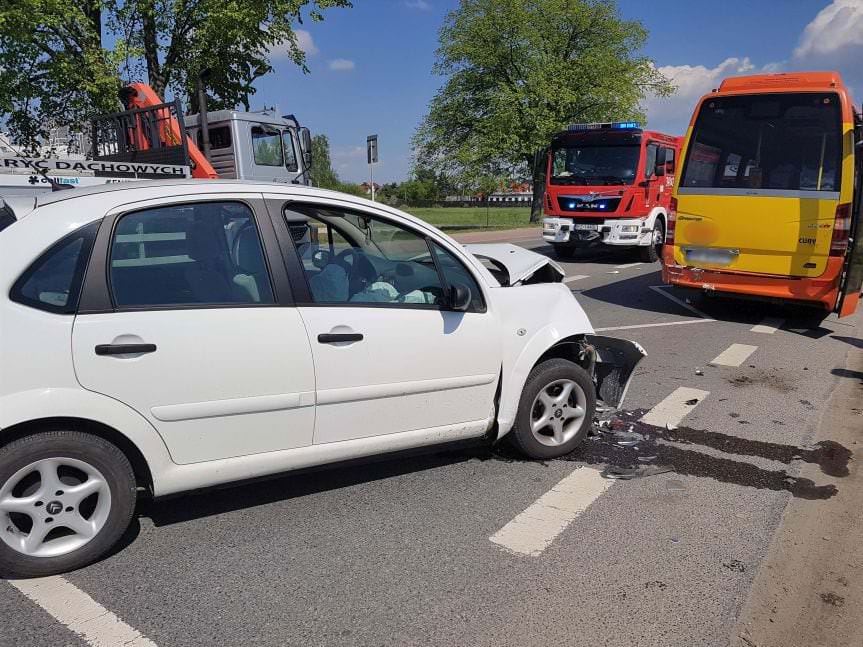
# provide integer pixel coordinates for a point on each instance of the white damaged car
(177, 335)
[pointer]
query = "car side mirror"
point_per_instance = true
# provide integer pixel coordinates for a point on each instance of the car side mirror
(306, 142)
(459, 297)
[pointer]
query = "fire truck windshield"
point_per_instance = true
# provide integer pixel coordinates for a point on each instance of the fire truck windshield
(593, 165)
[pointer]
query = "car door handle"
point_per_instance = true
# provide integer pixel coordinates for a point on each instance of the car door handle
(125, 349)
(335, 338)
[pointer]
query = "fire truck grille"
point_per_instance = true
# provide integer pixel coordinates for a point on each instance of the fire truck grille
(576, 203)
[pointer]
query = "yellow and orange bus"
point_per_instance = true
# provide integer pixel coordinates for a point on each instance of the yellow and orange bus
(767, 202)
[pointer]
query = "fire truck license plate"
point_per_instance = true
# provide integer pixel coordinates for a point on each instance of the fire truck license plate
(585, 227)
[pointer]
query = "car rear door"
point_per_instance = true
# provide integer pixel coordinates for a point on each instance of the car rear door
(390, 356)
(184, 318)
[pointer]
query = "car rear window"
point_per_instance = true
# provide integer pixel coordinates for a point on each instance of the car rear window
(53, 281)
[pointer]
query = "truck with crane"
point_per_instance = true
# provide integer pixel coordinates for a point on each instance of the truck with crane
(152, 139)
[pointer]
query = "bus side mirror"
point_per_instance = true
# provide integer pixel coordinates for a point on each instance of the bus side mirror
(306, 142)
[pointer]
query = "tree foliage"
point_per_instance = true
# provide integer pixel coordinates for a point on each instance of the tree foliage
(322, 171)
(517, 71)
(55, 67)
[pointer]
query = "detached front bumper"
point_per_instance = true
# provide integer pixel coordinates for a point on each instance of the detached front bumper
(611, 231)
(614, 364)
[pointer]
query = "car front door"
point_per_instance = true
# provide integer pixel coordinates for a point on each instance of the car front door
(390, 354)
(183, 318)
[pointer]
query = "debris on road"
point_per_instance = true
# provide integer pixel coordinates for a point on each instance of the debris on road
(627, 473)
(698, 371)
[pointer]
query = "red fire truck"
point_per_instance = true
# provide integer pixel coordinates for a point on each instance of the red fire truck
(609, 184)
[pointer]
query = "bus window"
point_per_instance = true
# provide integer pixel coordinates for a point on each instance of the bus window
(781, 142)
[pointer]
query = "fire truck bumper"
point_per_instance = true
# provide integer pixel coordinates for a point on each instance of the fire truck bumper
(612, 231)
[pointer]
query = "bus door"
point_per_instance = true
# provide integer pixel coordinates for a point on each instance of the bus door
(852, 275)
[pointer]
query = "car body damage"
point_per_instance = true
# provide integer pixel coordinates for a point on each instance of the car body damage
(512, 265)
(615, 362)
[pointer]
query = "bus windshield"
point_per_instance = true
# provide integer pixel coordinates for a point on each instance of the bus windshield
(785, 142)
(594, 165)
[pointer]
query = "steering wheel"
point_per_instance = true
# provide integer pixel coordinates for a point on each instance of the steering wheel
(360, 270)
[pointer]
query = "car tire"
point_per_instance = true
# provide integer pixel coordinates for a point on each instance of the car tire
(564, 251)
(542, 401)
(653, 252)
(94, 493)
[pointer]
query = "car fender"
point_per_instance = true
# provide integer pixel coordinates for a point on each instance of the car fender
(18, 408)
(534, 318)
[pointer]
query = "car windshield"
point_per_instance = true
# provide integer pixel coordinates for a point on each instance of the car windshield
(594, 164)
(790, 142)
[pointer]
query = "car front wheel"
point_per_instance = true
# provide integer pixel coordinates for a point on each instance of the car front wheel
(66, 497)
(555, 411)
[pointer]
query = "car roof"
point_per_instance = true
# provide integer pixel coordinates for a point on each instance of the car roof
(137, 185)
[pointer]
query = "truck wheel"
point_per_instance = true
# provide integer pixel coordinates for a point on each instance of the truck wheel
(653, 252)
(564, 251)
(66, 497)
(555, 411)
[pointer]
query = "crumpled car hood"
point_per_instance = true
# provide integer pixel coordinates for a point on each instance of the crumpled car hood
(520, 264)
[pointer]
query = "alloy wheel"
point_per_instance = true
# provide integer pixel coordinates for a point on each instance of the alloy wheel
(558, 412)
(53, 507)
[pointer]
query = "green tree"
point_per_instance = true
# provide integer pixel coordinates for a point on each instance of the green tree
(518, 71)
(54, 67)
(322, 171)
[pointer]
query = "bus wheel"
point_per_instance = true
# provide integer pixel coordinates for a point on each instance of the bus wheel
(651, 253)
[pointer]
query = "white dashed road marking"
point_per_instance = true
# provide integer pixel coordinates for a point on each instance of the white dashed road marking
(627, 266)
(655, 325)
(734, 355)
(532, 531)
(79, 612)
(660, 289)
(768, 326)
(577, 277)
(675, 407)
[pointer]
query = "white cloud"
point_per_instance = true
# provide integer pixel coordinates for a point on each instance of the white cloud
(304, 42)
(838, 26)
(671, 114)
(341, 65)
(419, 5)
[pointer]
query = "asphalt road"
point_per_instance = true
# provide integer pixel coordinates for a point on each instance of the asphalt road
(398, 551)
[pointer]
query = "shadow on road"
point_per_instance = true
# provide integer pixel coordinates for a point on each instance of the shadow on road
(847, 372)
(301, 483)
(853, 341)
(597, 254)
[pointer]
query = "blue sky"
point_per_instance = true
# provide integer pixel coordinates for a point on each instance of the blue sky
(371, 65)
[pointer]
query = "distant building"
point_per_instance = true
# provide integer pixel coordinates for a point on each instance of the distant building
(515, 193)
